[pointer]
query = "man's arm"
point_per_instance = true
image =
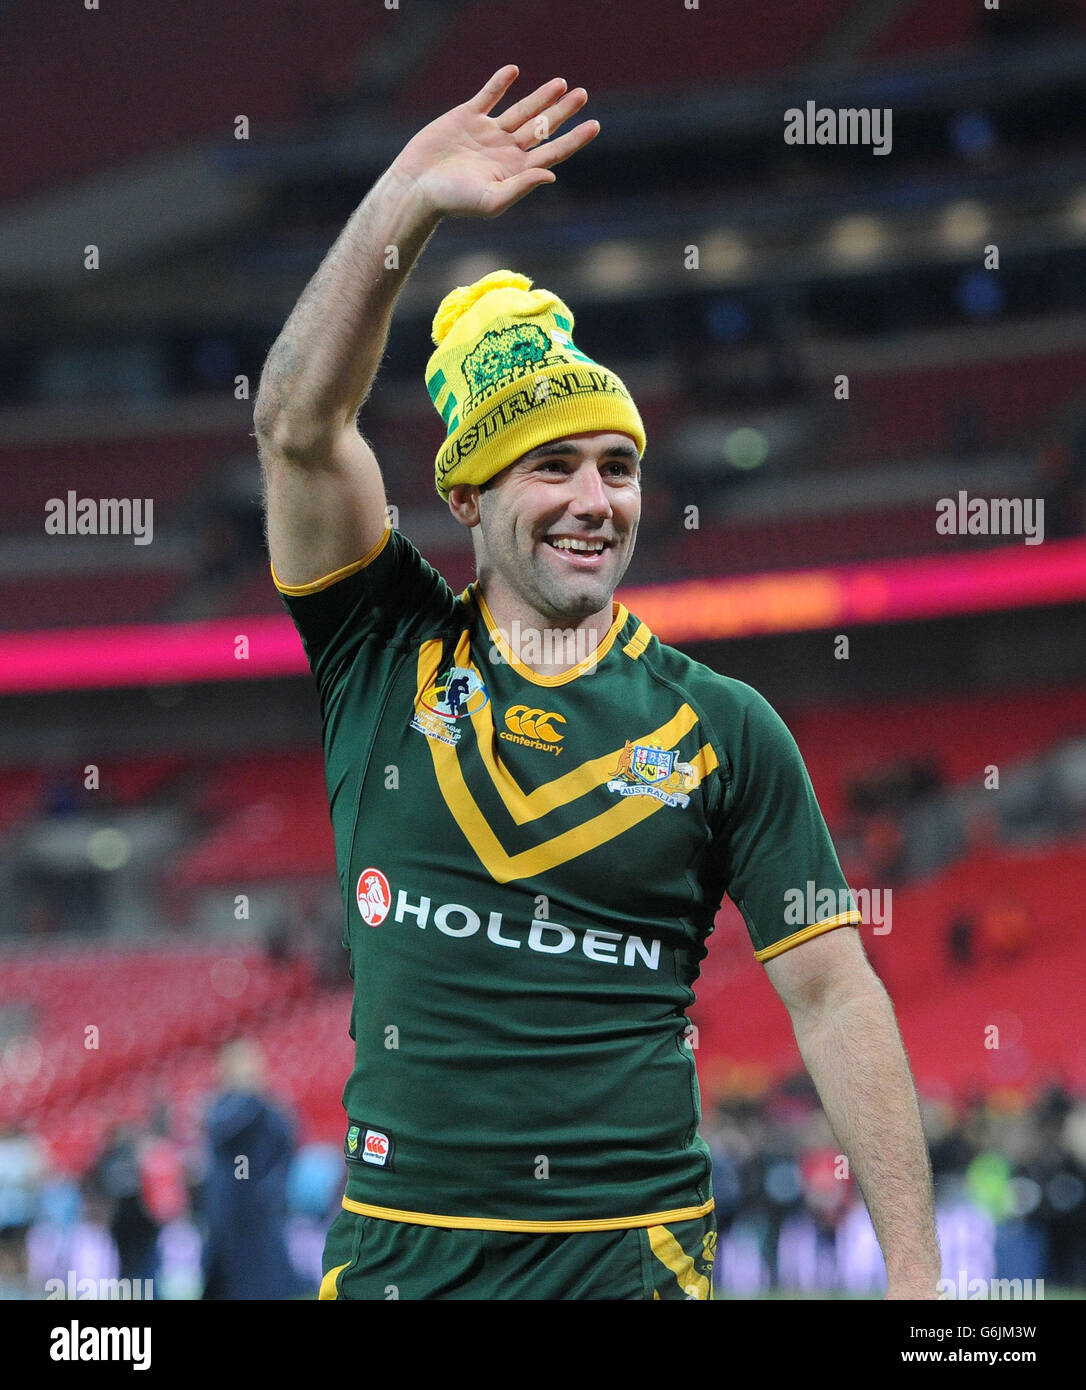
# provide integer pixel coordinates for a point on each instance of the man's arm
(325, 496)
(848, 1037)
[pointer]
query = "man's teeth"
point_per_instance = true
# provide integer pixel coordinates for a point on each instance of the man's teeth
(593, 547)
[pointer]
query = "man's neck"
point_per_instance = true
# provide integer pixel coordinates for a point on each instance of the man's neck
(547, 646)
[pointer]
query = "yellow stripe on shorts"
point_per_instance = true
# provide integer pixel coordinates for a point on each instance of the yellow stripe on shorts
(671, 1254)
(329, 1291)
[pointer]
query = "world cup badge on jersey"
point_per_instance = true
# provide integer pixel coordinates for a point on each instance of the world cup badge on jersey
(456, 695)
(646, 769)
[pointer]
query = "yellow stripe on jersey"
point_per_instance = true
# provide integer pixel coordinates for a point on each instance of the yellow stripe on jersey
(560, 849)
(579, 781)
(491, 1223)
(853, 918)
(502, 866)
(638, 642)
(327, 580)
(560, 791)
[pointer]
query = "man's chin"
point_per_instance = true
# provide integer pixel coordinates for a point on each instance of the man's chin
(580, 597)
(579, 593)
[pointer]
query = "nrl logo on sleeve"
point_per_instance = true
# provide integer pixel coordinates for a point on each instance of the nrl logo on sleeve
(644, 769)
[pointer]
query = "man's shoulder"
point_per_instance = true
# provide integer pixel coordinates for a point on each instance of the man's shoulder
(723, 697)
(392, 597)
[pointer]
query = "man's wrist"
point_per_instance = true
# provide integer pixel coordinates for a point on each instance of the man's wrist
(410, 198)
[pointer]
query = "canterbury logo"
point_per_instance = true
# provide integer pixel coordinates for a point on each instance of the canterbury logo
(533, 723)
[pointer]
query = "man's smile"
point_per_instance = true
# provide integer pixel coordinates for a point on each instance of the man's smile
(583, 552)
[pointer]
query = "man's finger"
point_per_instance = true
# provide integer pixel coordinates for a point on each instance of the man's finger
(554, 151)
(544, 125)
(488, 96)
(531, 106)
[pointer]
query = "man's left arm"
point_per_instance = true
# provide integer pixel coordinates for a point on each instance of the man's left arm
(849, 1040)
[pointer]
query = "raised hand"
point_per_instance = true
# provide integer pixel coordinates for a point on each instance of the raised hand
(468, 163)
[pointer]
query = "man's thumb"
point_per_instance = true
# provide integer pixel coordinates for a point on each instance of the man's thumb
(511, 190)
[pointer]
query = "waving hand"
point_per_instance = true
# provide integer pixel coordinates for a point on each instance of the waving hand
(469, 163)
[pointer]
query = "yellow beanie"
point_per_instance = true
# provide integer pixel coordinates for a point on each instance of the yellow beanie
(505, 377)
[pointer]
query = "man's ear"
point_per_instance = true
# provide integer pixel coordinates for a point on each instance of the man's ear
(464, 503)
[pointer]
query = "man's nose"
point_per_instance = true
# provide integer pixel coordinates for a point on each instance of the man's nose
(590, 494)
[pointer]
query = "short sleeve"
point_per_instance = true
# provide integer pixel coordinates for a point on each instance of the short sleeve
(389, 598)
(771, 843)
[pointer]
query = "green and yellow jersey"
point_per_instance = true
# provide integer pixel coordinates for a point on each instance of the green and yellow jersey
(530, 867)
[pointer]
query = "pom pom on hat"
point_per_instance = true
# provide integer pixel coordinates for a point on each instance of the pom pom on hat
(457, 302)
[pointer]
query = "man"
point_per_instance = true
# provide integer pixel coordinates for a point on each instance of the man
(250, 1144)
(537, 806)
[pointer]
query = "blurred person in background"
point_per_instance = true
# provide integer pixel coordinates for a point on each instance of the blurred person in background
(70, 1237)
(1064, 1207)
(22, 1171)
(163, 1179)
(245, 1193)
(118, 1179)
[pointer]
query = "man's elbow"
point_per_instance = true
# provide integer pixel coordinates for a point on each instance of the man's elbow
(283, 436)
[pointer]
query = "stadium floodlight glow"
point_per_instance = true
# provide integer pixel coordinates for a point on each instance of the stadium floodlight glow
(746, 448)
(1076, 213)
(691, 610)
(465, 270)
(857, 239)
(724, 254)
(964, 224)
(615, 265)
(109, 848)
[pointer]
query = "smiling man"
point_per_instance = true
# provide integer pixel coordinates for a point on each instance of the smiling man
(541, 460)
(533, 838)
(560, 523)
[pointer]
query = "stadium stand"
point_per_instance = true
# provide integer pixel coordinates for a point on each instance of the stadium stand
(670, 58)
(201, 71)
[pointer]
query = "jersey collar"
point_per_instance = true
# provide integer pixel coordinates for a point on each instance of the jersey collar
(590, 663)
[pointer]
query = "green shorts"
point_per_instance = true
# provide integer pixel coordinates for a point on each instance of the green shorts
(368, 1258)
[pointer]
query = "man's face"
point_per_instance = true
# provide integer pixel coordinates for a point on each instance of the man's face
(557, 527)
